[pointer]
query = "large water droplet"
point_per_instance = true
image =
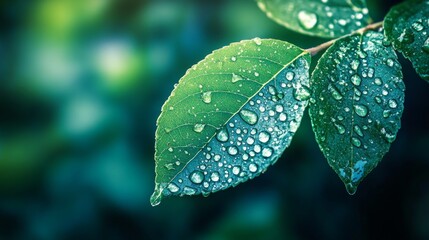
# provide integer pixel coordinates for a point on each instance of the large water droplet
(236, 170)
(354, 64)
(356, 80)
(282, 117)
(207, 97)
(222, 135)
(307, 19)
(378, 81)
(199, 127)
(358, 131)
(189, 191)
(196, 177)
(407, 36)
(361, 110)
(249, 116)
(290, 75)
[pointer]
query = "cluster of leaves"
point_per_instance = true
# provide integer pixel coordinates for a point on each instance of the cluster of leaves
(233, 114)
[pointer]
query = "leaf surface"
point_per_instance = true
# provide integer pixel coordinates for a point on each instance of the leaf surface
(407, 27)
(230, 117)
(328, 19)
(357, 104)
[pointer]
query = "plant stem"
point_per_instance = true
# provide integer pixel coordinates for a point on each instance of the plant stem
(315, 50)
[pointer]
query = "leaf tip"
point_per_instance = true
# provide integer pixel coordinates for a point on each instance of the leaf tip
(156, 197)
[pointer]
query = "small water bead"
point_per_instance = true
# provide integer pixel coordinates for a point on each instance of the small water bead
(267, 152)
(293, 126)
(256, 74)
(196, 177)
(290, 75)
(384, 92)
(257, 148)
(387, 113)
(358, 131)
(356, 80)
(371, 72)
(173, 188)
(361, 110)
(272, 90)
(245, 156)
(356, 142)
(282, 117)
(222, 135)
(199, 127)
(307, 19)
(233, 58)
(389, 62)
(215, 176)
(250, 140)
(271, 113)
(407, 36)
(253, 167)
(393, 103)
(249, 116)
(232, 150)
(170, 149)
(207, 97)
(279, 108)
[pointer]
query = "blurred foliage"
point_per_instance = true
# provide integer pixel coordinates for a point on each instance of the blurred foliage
(82, 83)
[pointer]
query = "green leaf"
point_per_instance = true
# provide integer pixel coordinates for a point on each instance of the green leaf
(407, 27)
(357, 104)
(322, 18)
(230, 117)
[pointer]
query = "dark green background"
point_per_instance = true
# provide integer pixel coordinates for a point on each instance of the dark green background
(82, 83)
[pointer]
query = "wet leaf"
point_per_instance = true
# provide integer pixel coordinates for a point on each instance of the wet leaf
(357, 104)
(407, 27)
(323, 18)
(230, 117)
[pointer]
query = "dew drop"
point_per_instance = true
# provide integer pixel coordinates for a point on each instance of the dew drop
(173, 188)
(272, 90)
(233, 59)
(267, 152)
(418, 26)
(361, 110)
(249, 116)
(236, 78)
(393, 103)
(293, 126)
(222, 135)
(356, 142)
(170, 149)
(207, 97)
(196, 177)
(378, 81)
(386, 113)
(258, 41)
(232, 150)
(301, 93)
(282, 117)
(358, 131)
(214, 176)
(390, 62)
(253, 167)
(199, 127)
(307, 19)
(340, 128)
(250, 140)
(189, 191)
(264, 137)
(425, 46)
(290, 75)
(354, 64)
(407, 36)
(279, 108)
(335, 93)
(236, 170)
(356, 80)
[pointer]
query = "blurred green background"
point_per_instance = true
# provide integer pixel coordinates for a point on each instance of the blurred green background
(82, 83)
